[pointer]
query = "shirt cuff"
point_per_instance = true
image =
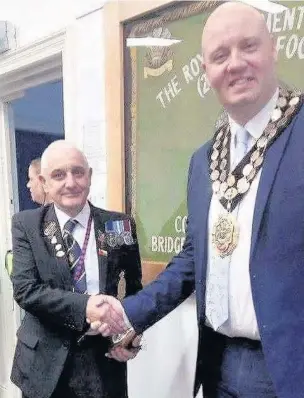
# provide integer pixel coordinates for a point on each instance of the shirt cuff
(126, 321)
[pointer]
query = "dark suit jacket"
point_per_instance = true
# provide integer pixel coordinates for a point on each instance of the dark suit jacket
(276, 263)
(55, 315)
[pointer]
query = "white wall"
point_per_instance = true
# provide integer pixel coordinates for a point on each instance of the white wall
(35, 19)
(84, 96)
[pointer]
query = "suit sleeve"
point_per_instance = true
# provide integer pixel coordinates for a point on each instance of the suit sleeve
(168, 290)
(132, 265)
(53, 305)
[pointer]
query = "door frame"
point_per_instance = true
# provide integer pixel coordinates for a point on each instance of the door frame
(116, 13)
(38, 63)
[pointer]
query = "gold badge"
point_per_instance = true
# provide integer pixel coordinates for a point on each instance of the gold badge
(225, 235)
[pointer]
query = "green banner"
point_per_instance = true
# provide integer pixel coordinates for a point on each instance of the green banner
(173, 112)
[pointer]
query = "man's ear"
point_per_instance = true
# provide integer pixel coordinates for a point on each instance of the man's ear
(43, 182)
(90, 175)
(274, 49)
(203, 64)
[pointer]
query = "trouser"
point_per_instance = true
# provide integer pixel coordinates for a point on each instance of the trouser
(242, 371)
(89, 374)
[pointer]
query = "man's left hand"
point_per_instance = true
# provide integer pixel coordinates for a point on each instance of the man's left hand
(122, 354)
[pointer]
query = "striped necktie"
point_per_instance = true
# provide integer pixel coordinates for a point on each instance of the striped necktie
(77, 267)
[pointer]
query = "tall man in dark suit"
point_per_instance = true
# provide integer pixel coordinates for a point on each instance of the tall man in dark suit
(244, 247)
(66, 254)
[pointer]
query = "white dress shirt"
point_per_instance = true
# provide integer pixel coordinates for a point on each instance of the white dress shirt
(242, 319)
(79, 232)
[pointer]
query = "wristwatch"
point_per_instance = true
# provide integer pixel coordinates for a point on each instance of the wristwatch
(128, 340)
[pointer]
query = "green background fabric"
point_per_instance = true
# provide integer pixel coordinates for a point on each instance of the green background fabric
(167, 136)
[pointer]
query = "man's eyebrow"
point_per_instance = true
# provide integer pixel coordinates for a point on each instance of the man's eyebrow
(56, 171)
(250, 38)
(217, 50)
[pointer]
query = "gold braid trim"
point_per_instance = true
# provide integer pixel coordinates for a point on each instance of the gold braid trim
(178, 11)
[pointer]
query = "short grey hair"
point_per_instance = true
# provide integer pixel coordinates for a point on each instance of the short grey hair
(54, 147)
(36, 163)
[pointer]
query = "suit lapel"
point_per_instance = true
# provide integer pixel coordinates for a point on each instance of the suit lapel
(54, 243)
(203, 209)
(269, 170)
(99, 228)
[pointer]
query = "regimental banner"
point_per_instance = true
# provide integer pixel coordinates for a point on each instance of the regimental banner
(172, 111)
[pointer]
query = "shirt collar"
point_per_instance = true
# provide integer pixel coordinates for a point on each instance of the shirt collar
(258, 123)
(82, 217)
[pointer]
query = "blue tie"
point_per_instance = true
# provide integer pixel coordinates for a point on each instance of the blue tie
(241, 145)
(217, 291)
(74, 253)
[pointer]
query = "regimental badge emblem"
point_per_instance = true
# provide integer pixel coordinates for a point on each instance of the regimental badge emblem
(158, 59)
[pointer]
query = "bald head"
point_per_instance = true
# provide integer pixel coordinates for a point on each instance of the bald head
(230, 11)
(239, 58)
(58, 149)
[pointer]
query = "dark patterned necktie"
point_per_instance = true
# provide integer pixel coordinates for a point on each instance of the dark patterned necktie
(75, 259)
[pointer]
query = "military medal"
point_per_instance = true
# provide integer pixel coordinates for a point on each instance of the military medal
(231, 186)
(118, 233)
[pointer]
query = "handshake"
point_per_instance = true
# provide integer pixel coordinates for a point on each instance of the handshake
(106, 316)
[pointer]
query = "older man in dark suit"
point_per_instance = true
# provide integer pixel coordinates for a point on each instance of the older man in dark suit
(65, 255)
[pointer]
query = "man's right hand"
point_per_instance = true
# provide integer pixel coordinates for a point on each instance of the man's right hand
(105, 315)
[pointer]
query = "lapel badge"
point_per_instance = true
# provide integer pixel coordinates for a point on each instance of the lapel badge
(121, 287)
(50, 229)
(102, 252)
(71, 258)
(101, 237)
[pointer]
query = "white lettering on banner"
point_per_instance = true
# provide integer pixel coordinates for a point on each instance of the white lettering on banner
(171, 244)
(192, 72)
(291, 19)
(293, 46)
(167, 244)
(180, 224)
(169, 92)
(203, 85)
